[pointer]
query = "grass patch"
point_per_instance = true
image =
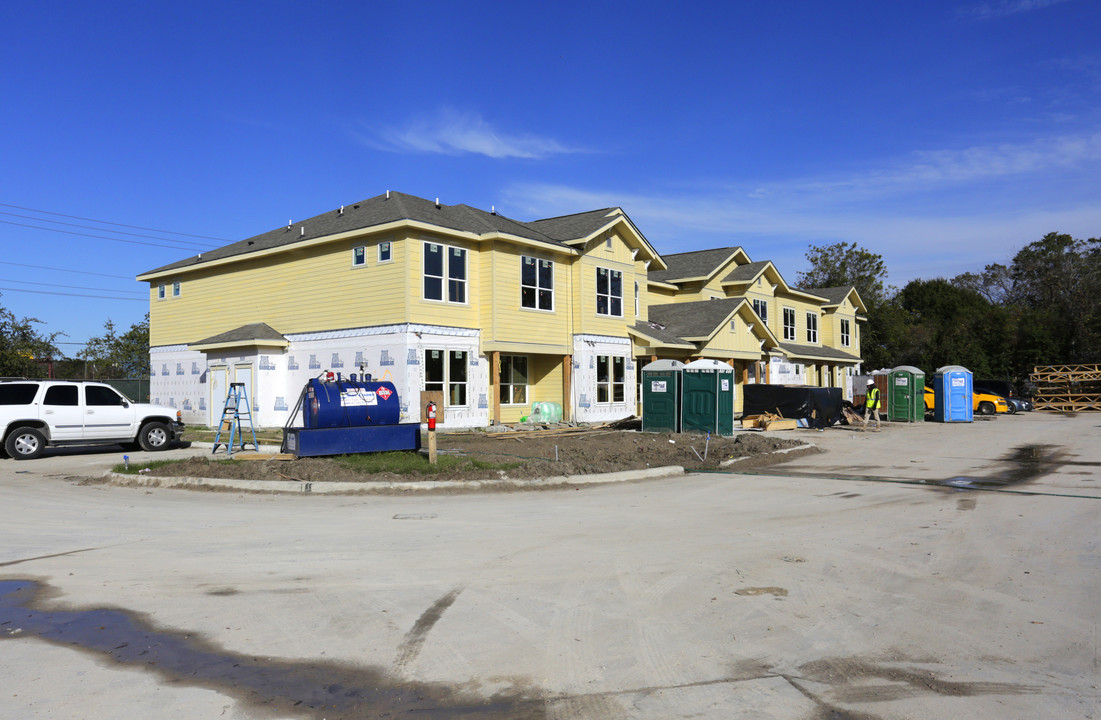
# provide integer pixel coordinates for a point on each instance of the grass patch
(413, 463)
(136, 467)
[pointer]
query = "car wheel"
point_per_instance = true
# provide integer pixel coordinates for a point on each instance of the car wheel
(154, 436)
(25, 443)
(1012, 408)
(986, 408)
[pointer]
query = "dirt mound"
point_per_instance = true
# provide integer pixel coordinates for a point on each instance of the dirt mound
(522, 455)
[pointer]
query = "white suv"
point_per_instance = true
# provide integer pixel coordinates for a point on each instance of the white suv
(36, 413)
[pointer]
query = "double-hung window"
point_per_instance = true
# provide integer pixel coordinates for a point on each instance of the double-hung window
(844, 333)
(176, 289)
(609, 292)
(359, 256)
(789, 323)
(446, 371)
(536, 283)
(812, 327)
(160, 292)
(444, 266)
(761, 308)
(514, 380)
(384, 252)
(610, 375)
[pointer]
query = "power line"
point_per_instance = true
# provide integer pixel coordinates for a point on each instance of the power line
(79, 272)
(107, 222)
(74, 287)
(100, 237)
(48, 292)
(89, 227)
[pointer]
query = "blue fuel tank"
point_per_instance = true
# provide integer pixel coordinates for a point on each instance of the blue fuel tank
(345, 403)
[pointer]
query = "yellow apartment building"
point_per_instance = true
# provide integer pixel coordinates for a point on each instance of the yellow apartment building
(494, 313)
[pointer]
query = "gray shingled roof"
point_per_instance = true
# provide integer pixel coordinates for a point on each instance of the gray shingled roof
(243, 334)
(694, 319)
(692, 264)
(572, 227)
(747, 272)
(815, 351)
(378, 210)
(660, 333)
(834, 294)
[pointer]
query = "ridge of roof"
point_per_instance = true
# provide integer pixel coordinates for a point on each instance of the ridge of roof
(695, 263)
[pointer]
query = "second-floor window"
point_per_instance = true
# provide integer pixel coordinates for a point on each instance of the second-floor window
(789, 323)
(444, 266)
(536, 283)
(844, 333)
(359, 256)
(609, 292)
(812, 327)
(761, 308)
(384, 251)
(176, 289)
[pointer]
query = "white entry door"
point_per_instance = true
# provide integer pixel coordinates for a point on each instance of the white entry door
(243, 374)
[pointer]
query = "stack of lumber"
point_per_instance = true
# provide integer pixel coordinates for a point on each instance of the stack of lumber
(769, 421)
(1067, 388)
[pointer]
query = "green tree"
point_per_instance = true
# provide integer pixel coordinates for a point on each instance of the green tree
(849, 265)
(119, 356)
(22, 346)
(843, 264)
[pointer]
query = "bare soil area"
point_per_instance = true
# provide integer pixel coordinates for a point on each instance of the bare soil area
(523, 455)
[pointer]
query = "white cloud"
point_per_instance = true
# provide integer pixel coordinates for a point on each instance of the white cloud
(1002, 8)
(943, 213)
(452, 132)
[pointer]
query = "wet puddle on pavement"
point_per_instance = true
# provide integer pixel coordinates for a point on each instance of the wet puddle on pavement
(299, 688)
(1023, 464)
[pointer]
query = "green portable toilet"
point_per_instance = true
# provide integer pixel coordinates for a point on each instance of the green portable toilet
(661, 391)
(707, 397)
(906, 386)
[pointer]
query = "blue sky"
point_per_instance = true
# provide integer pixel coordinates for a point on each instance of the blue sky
(941, 135)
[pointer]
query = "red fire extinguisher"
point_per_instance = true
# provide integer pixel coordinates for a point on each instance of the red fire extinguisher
(431, 416)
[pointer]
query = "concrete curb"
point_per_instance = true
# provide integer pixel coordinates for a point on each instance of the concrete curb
(298, 486)
(804, 446)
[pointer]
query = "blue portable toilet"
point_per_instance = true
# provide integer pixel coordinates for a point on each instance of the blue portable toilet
(952, 394)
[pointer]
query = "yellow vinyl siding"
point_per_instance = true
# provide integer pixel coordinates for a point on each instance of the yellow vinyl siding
(442, 312)
(544, 385)
(299, 292)
(507, 321)
(620, 259)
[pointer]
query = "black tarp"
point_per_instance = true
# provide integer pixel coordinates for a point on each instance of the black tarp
(821, 406)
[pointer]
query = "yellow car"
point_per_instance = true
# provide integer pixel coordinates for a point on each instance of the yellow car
(982, 403)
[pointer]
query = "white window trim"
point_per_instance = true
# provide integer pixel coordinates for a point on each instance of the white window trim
(536, 287)
(812, 316)
(162, 291)
(846, 333)
(526, 385)
(447, 383)
(177, 288)
(609, 295)
(445, 293)
(792, 327)
(611, 381)
(363, 259)
(389, 248)
(759, 304)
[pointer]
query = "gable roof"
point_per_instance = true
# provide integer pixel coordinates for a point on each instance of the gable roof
(252, 334)
(747, 273)
(659, 335)
(380, 210)
(837, 295)
(580, 228)
(698, 264)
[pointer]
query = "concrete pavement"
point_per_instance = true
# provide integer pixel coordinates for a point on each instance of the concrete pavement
(843, 588)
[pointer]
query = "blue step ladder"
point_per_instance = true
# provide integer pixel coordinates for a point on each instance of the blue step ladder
(236, 418)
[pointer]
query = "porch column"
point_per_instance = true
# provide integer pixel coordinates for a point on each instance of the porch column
(567, 392)
(495, 385)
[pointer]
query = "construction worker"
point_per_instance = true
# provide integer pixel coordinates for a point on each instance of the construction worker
(871, 405)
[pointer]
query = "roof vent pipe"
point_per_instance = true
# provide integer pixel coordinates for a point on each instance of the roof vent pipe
(289, 223)
(303, 233)
(341, 209)
(437, 203)
(492, 209)
(387, 194)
